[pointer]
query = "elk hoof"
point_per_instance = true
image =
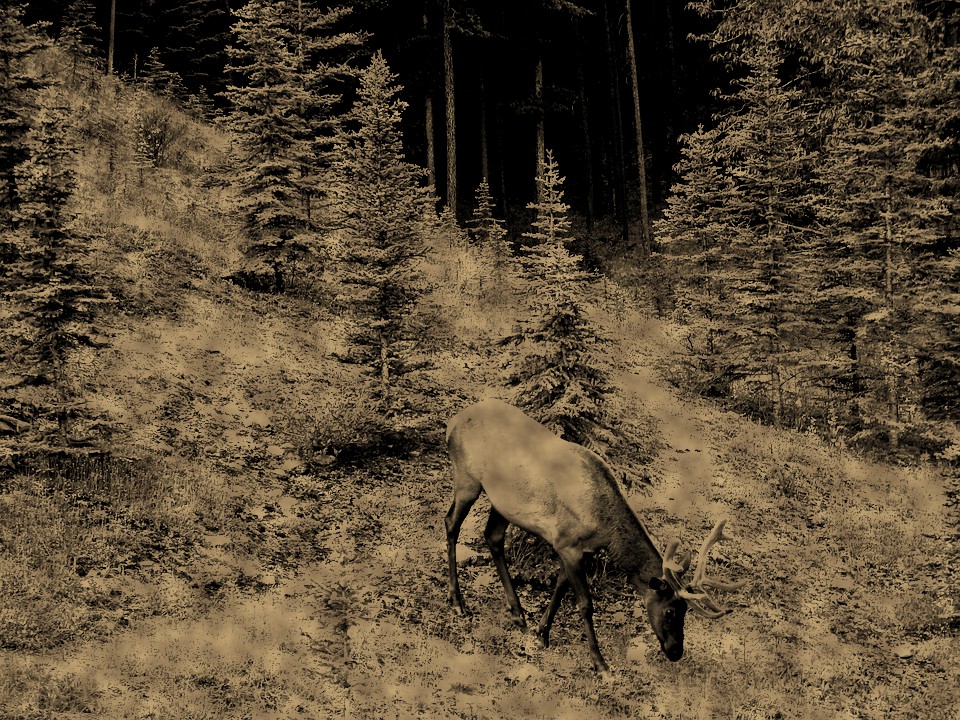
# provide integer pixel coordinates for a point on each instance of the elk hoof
(518, 622)
(605, 676)
(544, 636)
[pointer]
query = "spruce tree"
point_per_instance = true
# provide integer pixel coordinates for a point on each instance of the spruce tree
(48, 288)
(155, 76)
(887, 220)
(287, 55)
(552, 360)
(763, 140)
(327, 56)
(266, 100)
(80, 35)
(266, 116)
(490, 234)
(739, 221)
(17, 92)
(826, 190)
(382, 204)
(198, 32)
(694, 234)
(937, 297)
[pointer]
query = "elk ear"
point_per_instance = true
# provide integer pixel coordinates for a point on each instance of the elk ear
(661, 588)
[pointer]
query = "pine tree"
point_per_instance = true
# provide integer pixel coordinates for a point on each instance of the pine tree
(287, 54)
(695, 236)
(79, 34)
(17, 92)
(198, 32)
(327, 67)
(551, 361)
(937, 297)
(888, 223)
(448, 228)
(382, 203)
(48, 287)
(742, 229)
(155, 76)
(490, 234)
(832, 216)
(266, 116)
(763, 140)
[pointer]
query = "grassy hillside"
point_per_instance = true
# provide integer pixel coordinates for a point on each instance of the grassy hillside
(219, 563)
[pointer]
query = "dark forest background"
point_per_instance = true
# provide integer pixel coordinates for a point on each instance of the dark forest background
(585, 106)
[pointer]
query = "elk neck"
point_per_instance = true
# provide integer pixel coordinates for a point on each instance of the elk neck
(632, 549)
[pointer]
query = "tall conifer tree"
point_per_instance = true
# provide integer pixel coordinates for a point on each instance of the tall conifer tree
(17, 93)
(551, 360)
(287, 54)
(382, 203)
(887, 221)
(49, 287)
(491, 235)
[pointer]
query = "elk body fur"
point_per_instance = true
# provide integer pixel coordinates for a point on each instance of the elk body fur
(557, 490)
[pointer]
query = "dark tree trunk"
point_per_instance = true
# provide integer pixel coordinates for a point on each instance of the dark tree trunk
(643, 237)
(587, 138)
(539, 110)
(111, 38)
(505, 207)
(484, 142)
(616, 152)
(428, 127)
(451, 107)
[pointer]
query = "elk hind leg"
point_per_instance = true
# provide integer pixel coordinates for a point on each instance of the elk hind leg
(462, 502)
(494, 535)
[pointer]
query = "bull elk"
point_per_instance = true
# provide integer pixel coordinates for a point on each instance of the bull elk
(565, 494)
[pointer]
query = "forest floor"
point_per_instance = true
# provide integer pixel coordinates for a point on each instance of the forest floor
(229, 572)
(322, 594)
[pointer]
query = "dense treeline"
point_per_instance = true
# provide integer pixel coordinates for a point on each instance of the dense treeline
(489, 84)
(802, 159)
(813, 226)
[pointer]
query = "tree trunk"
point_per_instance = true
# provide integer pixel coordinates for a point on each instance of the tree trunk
(585, 130)
(450, 97)
(505, 206)
(431, 151)
(484, 144)
(384, 370)
(644, 234)
(110, 39)
(893, 401)
(671, 71)
(538, 103)
(428, 129)
(618, 191)
(774, 244)
(888, 247)
(776, 373)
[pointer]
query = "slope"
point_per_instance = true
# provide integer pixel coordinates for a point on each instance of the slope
(235, 571)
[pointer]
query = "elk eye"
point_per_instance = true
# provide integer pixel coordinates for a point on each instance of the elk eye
(668, 615)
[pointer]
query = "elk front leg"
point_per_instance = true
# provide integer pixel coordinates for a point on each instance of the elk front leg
(546, 622)
(578, 581)
(494, 535)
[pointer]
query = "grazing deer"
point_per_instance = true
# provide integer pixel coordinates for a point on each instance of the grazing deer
(566, 495)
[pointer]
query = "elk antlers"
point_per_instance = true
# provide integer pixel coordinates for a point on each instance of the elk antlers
(696, 593)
